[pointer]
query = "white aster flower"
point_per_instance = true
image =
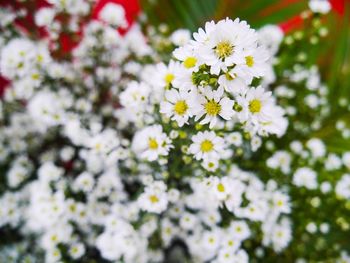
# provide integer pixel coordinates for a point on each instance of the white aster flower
(342, 188)
(188, 57)
(151, 142)
(305, 177)
(211, 104)
(177, 106)
(254, 65)
(165, 75)
(320, 6)
(154, 199)
(207, 146)
(135, 96)
(113, 14)
(45, 16)
(180, 37)
(222, 44)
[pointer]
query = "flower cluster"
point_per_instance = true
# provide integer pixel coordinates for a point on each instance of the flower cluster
(116, 149)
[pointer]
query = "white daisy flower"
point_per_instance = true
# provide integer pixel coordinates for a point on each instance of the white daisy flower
(113, 14)
(151, 142)
(256, 105)
(166, 74)
(135, 95)
(188, 57)
(254, 65)
(154, 199)
(207, 146)
(305, 177)
(177, 106)
(211, 104)
(180, 37)
(222, 46)
(184, 80)
(210, 165)
(259, 111)
(342, 188)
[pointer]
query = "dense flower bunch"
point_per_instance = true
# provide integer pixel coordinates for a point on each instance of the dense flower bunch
(117, 151)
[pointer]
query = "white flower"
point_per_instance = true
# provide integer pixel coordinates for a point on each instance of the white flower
(45, 108)
(16, 175)
(84, 182)
(104, 142)
(211, 240)
(154, 199)
(210, 164)
(151, 142)
(113, 14)
(211, 104)
(188, 57)
(281, 160)
(17, 58)
(207, 145)
(177, 106)
(317, 147)
(280, 202)
(235, 138)
(254, 64)
(256, 105)
(320, 6)
(281, 236)
(239, 230)
(50, 172)
(45, 16)
(165, 75)
(222, 44)
(180, 37)
(305, 177)
(346, 159)
(188, 221)
(135, 96)
(270, 36)
(333, 162)
(77, 250)
(342, 188)
(261, 112)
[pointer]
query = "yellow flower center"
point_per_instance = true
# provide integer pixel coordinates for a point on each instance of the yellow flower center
(35, 76)
(211, 164)
(207, 146)
(255, 106)
(152, 143)
(224, 49)
(169, 78)
(212, 108)
(180, 107)
(249, 60)
(154, 199)
(190, 62)
(221, 187)
(279, 203)
(39, 58)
